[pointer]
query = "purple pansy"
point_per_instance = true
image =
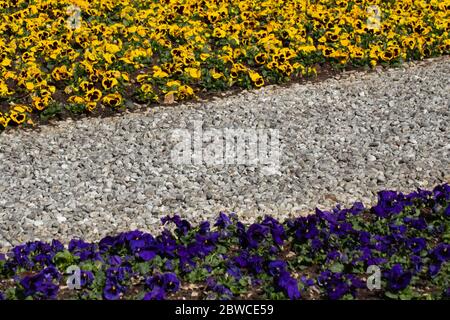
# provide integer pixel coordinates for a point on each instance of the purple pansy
(416, 245)
(397, 278)
(276, 267)
(288, 284)
(442, 252)
(223, 221)
(221, 289)
(389, 203)
(112, 290)
(42, 285)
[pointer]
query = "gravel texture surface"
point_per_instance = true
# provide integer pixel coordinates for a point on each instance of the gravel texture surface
(341, 141)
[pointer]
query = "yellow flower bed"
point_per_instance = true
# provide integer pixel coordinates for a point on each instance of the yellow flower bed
(96, 55)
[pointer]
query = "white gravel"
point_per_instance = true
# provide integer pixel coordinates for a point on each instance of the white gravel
(341, 140)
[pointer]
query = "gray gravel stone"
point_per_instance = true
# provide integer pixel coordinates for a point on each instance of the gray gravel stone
(341, 141)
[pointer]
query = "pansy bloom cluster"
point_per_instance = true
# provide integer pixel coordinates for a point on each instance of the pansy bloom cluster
(98, 56)
(326, 255)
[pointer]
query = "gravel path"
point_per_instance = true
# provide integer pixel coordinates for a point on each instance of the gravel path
(341, 140)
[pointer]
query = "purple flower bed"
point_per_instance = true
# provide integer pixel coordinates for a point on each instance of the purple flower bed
(325, 255)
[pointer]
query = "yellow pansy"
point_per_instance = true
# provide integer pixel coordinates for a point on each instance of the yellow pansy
(159, 73)
(6, 62)
(113, 100)
(216, 75)
(194, 72)
(256, 78)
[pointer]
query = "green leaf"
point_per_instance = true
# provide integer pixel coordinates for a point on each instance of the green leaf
(64, 259)
(337, 267)
(391, 295)
(244, 282)
(10, 294)
(143, 268)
